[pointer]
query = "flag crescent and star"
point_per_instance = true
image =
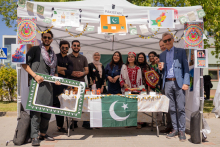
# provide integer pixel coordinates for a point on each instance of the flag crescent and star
(114, 115)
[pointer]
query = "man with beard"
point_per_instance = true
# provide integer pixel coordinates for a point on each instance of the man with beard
(41, 59)
(80, 70)
(65, 69)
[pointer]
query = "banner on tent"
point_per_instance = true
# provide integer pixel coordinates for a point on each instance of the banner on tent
(113, 24)
(26, 30)
(193, 35)
(33, 92)
(66, 18)
(161, 19)
(109, 11)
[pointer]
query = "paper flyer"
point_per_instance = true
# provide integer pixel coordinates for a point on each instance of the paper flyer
(66, 18)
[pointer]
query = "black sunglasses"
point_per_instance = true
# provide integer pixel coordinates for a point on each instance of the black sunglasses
(64, 48)
(45, 37)
(165, 41)
(76, 45)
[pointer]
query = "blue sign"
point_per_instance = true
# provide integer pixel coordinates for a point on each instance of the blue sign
(3, 53)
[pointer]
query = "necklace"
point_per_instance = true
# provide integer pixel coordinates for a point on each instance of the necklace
(131, 66)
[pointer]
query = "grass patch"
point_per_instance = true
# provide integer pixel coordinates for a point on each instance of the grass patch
(6, 106)
(208, 106)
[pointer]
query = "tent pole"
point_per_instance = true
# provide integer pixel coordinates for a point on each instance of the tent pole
(201, 101)
(19, 90)
(113, 40)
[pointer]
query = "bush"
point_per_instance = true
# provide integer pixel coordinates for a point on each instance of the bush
(8, 83)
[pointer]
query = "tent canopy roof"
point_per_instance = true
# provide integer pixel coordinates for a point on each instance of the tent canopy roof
(104, 43)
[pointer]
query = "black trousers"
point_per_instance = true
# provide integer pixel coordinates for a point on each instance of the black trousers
(59, 119)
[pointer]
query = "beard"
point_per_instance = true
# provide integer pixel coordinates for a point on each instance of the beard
(46, 44)
(76, 51)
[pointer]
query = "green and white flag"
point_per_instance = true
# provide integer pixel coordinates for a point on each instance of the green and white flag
(113, 20)
(201, 13)
(133, 30)
(113, 111)
(21, 3)
(40, 10)
(90, 28)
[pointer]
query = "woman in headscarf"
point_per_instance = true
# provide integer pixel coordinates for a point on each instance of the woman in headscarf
(96, 73)
(142, 63)
(112, 73)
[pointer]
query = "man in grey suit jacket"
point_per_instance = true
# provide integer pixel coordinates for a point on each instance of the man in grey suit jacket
(176, 81)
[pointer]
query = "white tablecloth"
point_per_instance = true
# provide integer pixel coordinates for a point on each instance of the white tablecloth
(145, 104)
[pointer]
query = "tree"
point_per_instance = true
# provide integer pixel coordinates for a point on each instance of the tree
(8, 83)
(211, 20)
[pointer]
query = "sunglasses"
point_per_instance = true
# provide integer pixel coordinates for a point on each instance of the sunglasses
(165, 41)
(76, 45)
(45, 37)
(64, 48)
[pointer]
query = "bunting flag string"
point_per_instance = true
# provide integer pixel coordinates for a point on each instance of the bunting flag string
(85, 28)
(44, 31)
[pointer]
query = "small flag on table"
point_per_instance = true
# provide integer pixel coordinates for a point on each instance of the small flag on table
(113, 111)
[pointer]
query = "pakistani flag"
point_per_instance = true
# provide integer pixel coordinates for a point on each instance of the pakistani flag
(113, 111)
(113, 20)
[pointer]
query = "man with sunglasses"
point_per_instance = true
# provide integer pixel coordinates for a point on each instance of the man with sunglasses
(41, 59)
(176, 81)
(65, 69)
(80, 70)
(161, 44)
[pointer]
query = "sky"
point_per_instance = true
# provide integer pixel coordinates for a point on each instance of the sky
(4, 30)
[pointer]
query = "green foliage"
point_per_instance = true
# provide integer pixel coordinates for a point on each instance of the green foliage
(8, 83)
(211, 20)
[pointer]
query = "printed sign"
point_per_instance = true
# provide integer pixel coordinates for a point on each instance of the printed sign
(33, 92)
(161, 19)
(201, 58)
(18, 53)
(66, 18)
(3, 53)
(109, 11)
(113, 24)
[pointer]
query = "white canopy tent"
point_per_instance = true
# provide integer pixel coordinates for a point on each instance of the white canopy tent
(107, 44)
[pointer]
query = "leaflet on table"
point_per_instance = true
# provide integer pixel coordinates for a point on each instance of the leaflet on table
(66, 18)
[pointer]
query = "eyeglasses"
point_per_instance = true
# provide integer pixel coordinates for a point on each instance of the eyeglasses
(165, 41)
(64, 48)
(45, 37)
(76, 45)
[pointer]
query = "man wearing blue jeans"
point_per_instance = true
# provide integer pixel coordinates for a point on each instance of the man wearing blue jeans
(176, 81)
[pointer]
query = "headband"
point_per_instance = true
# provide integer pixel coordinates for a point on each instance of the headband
(132, 53)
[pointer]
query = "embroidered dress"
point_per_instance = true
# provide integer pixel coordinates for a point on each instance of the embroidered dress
(130, 76)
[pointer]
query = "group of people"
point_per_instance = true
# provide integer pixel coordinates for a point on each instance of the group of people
(173, 79)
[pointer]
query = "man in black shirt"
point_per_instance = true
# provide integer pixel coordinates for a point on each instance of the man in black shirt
(65, 69)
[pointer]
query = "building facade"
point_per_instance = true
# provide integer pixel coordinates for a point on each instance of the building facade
(7, 41)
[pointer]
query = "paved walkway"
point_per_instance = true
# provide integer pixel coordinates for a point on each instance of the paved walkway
(110, 137)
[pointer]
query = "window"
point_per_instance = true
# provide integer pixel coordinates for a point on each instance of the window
(214, 65)
(214, 74)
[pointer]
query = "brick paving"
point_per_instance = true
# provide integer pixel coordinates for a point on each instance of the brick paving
(110, 137)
